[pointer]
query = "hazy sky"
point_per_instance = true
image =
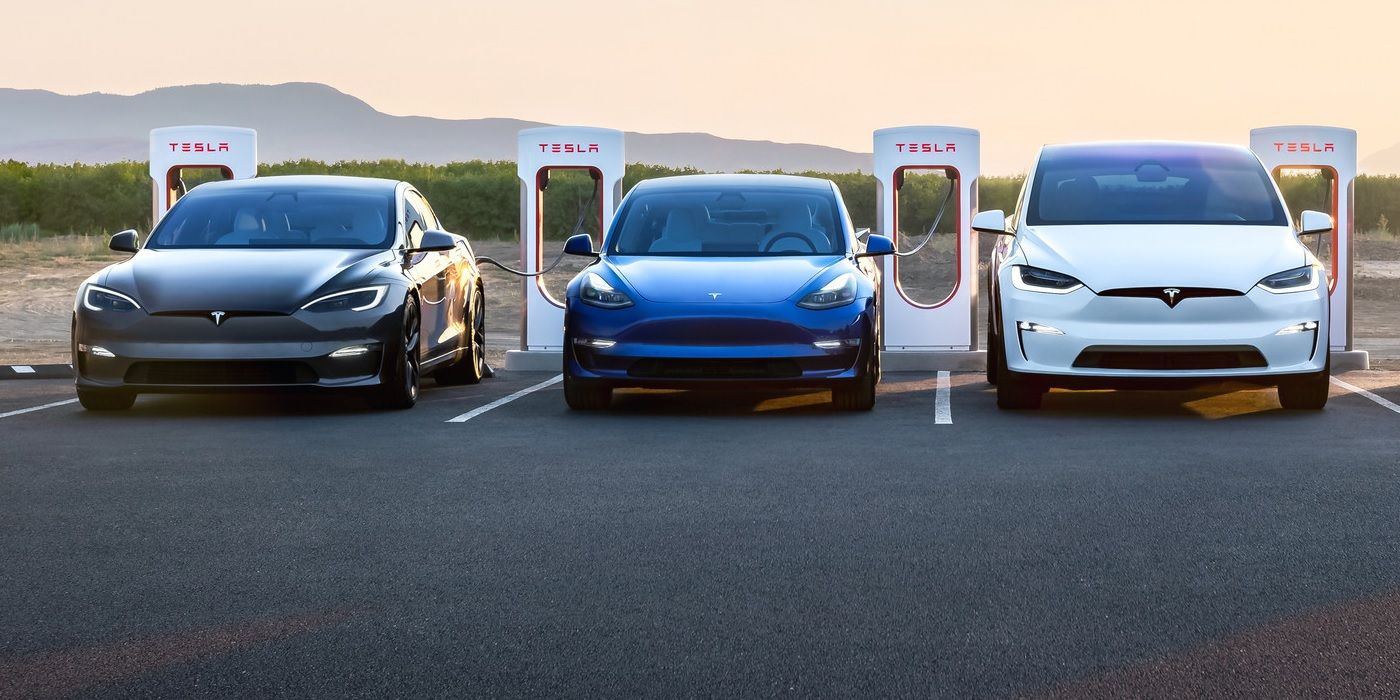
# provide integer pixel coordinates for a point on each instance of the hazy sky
(1024, 72)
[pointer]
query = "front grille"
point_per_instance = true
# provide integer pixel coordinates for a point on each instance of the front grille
(1176, 295)
(714, 369)
(220, 373)
(1170, 358)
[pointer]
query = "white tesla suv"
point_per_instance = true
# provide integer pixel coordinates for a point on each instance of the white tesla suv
(1143, 265)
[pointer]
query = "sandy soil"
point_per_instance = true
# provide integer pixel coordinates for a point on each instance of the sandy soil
(36, 306)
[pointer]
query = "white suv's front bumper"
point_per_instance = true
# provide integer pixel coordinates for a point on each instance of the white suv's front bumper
(1126, 326)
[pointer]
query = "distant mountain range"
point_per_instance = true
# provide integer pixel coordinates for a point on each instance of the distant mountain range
(310, 120)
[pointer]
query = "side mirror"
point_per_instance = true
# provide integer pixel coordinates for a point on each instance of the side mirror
(1314, 222)
(579, 244)
(124, 242)
(993, 221)
(877, 245)
(435, 241)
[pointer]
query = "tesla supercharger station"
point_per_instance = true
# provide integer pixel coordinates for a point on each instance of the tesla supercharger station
(596, 151)
(929, 334)
(1331, 151)
(231, 150)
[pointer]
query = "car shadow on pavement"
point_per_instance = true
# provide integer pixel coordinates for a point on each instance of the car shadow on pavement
(1210, 402)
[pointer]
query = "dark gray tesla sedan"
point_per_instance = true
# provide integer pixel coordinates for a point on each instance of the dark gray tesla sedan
(304, 281)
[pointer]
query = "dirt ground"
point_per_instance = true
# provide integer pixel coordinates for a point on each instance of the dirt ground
(36, 305)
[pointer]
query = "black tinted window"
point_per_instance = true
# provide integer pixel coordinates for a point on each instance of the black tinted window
(282, 217)
(739, 222)
(1152, 184)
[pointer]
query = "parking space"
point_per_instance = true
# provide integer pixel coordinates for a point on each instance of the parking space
(686, 542)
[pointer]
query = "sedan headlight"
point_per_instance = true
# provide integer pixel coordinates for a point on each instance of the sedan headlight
(1299, 279)
(361, 299)
(596, 291)
(97, 298)
(838, 292)
(1034, 279)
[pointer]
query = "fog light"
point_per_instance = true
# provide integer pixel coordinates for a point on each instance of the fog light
(95, 350)
(1298, 328)
(1032, 327)
(598, 343)
(833, 344)
(351, 351)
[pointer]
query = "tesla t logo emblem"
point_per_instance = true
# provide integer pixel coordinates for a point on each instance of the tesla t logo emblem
(714, 296)
(1171, 293)
(218, 317)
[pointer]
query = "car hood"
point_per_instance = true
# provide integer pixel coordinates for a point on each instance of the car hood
(1116, 256)
(736, 280)
(258, 280)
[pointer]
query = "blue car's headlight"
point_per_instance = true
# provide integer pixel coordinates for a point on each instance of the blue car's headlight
(840, 291)
(1034, 279)
(361, 299)
(1299, 279)
(597, 292)
(97, 298)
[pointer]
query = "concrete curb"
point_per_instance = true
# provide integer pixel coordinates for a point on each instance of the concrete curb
(36, 372)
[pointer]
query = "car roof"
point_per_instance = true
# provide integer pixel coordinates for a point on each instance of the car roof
(751, 180)
(369, 185)
(1142, 149)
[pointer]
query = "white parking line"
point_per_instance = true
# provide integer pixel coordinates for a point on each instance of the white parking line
(22, 369)
(503, 401)
(943, 400)
(1374, 397)
(32, 409)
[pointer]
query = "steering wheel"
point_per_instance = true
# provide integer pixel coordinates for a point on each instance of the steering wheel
(811, 246)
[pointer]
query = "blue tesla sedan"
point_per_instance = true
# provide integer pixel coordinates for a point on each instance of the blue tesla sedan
(722, 280)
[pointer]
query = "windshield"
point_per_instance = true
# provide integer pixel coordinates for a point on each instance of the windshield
(1156, 184)
(730, 222)
(284, 217)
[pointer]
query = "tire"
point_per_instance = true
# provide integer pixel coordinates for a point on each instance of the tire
(106, 399)
(993, 357)
(398, 388)
(859, 394)
(1016, 391)
(471, 367)
(583, 395)
(1307, 392)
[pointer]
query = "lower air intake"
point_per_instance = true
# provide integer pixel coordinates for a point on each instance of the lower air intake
(221, 373)
(1231, 357)
(714, 369)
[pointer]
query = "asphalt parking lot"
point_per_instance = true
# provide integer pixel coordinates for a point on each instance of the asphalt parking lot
(1131, 544)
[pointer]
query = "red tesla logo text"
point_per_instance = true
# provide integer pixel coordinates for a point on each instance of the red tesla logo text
(199, 147)
(568, 148)
(1293, 147)
(926, 147)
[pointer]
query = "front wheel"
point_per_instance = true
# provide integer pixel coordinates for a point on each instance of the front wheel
(1015, 391)
(859, 394)
(106, 399)
(1307, 392)
(398, 387)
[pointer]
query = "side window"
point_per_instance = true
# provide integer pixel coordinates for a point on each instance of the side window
(414, 222)
(430, 220)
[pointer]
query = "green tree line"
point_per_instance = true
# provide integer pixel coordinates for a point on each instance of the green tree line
(482, 198)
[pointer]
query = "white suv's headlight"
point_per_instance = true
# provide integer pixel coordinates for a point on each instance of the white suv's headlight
(361, 299)
(596, 291)
(840, 291)
(1034, 279)
(97, 298)
(1299, 279)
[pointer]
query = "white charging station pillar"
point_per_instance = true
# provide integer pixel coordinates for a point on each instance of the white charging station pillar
(928, 335)
(597, 151)
(232, 150)
(1332, 151)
